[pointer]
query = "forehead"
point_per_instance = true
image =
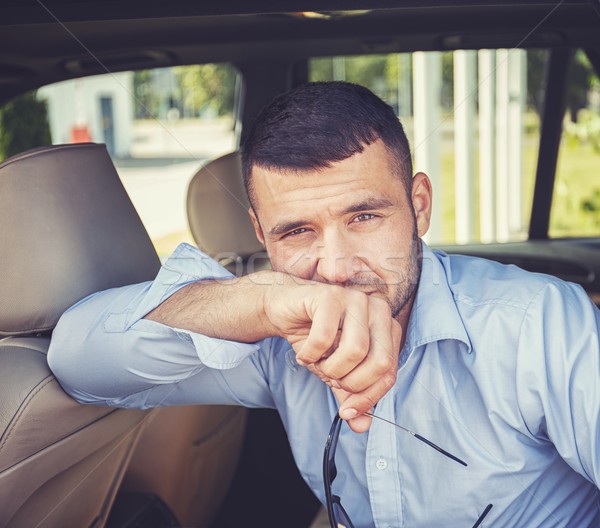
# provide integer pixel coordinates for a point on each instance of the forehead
(369, 174)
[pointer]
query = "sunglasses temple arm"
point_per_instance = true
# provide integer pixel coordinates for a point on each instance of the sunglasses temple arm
(482, 516)
(439, 449)
(419, 437)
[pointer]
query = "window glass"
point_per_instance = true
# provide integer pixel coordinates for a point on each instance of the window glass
(576, 200)
(159, 127)
(472, 119)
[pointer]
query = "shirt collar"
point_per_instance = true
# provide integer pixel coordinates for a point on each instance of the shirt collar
(434, 315)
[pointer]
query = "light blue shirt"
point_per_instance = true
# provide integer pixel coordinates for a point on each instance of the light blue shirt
(500, 367)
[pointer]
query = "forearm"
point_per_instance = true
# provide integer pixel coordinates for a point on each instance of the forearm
(231, 309)
(101, 355)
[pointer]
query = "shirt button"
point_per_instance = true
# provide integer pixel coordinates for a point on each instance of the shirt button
(381, 464)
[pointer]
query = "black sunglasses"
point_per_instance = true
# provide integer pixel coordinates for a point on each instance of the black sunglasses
(338, 517)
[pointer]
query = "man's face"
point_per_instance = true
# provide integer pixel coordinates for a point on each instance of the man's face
(351, 224)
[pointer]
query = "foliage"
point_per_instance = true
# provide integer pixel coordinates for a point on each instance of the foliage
(146, 99)
(576, 206)
(190, 90)
(586, 130)
(592, 204)
(581, 76)
(23, 125)
(537, 60)
(207, 87)
(367, 70)
(581, 79)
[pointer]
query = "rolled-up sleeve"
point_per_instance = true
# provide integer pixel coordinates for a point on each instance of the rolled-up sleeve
(103, 351)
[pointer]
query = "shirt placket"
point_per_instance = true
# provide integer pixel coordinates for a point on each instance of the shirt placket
(382, 470)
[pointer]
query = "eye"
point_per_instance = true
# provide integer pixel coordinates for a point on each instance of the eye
(363, 217)
(295, 232)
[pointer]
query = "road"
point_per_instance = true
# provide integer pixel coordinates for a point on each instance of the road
(164, 158)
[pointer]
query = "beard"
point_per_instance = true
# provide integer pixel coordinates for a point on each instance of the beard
(406, 283)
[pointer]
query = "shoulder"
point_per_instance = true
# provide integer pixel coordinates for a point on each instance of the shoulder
(478, 281)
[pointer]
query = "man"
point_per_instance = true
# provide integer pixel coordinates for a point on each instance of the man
(496, 365)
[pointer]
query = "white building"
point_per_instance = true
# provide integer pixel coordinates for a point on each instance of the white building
(97, 108)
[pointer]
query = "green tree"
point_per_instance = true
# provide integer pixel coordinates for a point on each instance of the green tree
(372, 71)
(207, 87)
(146, 102)
(580, 82)
(23, 125)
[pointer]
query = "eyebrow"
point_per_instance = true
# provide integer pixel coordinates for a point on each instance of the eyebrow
(285, 227)
(368, 204)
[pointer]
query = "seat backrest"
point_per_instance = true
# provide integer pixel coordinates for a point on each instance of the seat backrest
(217, 209)
(68, 229)
(187, 456)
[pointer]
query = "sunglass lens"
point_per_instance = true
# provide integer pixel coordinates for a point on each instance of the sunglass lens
(341, 517)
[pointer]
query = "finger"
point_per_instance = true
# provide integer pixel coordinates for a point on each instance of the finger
(326, 320)
(382, 353)
(354, 341)
(361, 402)
(315, 370)
(362, 422)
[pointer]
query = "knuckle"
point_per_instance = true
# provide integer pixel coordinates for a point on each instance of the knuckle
(326, 371)
(356, 296)
(381, 306)
(319, 342)
(356, 353)
(388, 380)
(383, 363)
(350, 386)
(361, 342)
(369, 401)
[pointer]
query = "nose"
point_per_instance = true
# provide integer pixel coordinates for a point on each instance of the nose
(336, 258)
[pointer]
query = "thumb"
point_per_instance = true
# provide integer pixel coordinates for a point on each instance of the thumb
(360, 423)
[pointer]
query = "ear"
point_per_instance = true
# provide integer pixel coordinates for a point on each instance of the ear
(421, 197)
(257, 228)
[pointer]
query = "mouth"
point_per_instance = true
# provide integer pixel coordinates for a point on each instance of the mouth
(366, 289)
(369, 291)
(370, 287)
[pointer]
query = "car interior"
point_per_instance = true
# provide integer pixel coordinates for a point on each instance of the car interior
(70, 227)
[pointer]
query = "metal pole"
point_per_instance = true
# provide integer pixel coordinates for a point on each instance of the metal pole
(427, 81)
(487, 145)
(464, 144)
(517, 91)
(502, 221)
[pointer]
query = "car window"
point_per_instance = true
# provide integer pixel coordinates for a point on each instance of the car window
(473, 120)
(159, 127)
(575, 208)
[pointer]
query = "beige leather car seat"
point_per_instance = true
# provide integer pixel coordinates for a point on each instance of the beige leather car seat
(217, 209)
(67, 229)
(187, 456)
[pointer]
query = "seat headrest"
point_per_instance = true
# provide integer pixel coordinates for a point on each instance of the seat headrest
(68, 230)
(217, 209)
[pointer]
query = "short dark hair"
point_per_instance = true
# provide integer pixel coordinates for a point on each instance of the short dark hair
(320, 123)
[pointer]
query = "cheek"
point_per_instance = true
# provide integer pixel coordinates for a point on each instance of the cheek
(388, 254)
(297, 262)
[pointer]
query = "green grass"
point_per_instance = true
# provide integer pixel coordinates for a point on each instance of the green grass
(576, 204)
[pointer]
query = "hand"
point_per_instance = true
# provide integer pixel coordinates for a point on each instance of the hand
(347, 338)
